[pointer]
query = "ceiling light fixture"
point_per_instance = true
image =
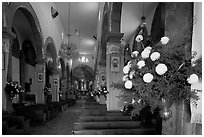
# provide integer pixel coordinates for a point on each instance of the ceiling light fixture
(69, 21)
(78, 26)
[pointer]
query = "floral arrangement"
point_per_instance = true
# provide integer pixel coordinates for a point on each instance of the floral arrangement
(159, 74)
(48, 95)
(47, 92)
(13, 88)
(101, 91)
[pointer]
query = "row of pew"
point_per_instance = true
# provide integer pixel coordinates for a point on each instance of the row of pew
(19, 122)
(96, 120)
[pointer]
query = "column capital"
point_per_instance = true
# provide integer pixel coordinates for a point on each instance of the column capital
(40, 60)
(7, 39)
(63, 78)
(8, 34)
(55, 71)
(6, 31)
(114, 37)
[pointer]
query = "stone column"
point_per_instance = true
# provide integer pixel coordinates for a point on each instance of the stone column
(40, 81)
(7, 37)
(55, 85)
(114, 69)
(6, 45)
(63, 86)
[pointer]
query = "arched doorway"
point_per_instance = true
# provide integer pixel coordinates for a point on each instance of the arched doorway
(63, 79)
(82, 79)
(25, 48)
(51, 68)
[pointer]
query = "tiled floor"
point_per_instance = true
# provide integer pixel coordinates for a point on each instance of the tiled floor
(63, 124)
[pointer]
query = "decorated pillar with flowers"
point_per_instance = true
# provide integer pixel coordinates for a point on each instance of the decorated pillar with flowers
(7, 37)
(160, 75)
(55, 85)
(40, 80)
(114, 68)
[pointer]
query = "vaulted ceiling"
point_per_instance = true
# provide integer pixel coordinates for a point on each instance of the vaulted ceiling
(80, 20)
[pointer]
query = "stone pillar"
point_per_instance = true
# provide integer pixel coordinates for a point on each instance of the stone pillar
(7, 37)
(40, 81)
(6, 45)
(114, 69)
(63, 87)
(55, 85)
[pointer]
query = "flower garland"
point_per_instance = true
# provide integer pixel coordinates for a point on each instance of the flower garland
(163, 72)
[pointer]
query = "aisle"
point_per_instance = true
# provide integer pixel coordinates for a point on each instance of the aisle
(63, 124)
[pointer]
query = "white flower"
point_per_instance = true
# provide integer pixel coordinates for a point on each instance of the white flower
(164, 40)
(192, 79)
(155, 56)
(128, 84)
(148, 48)
(126, 69)
(148, 77)
(129, 63)
(139, 38)
(141, 64)
(131, 74)
(133, 101)
(145, 54)
(125, 78)
(161, 69)
(134, 53)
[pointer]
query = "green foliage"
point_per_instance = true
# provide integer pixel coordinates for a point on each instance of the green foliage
(172, 85)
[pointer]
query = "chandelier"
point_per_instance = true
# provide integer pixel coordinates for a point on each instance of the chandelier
(68, 49)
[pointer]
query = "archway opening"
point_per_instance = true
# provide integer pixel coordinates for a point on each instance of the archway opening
(82, 76)
(24, 52)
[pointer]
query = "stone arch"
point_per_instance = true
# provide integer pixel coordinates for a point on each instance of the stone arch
(31, 16)
(83, 71)
(50, 45)
(29, 52)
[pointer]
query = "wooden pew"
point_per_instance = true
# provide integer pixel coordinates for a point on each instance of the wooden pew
(71, 101)
(36, 113)
(16, 125)
(58, 106)
(53, 110)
